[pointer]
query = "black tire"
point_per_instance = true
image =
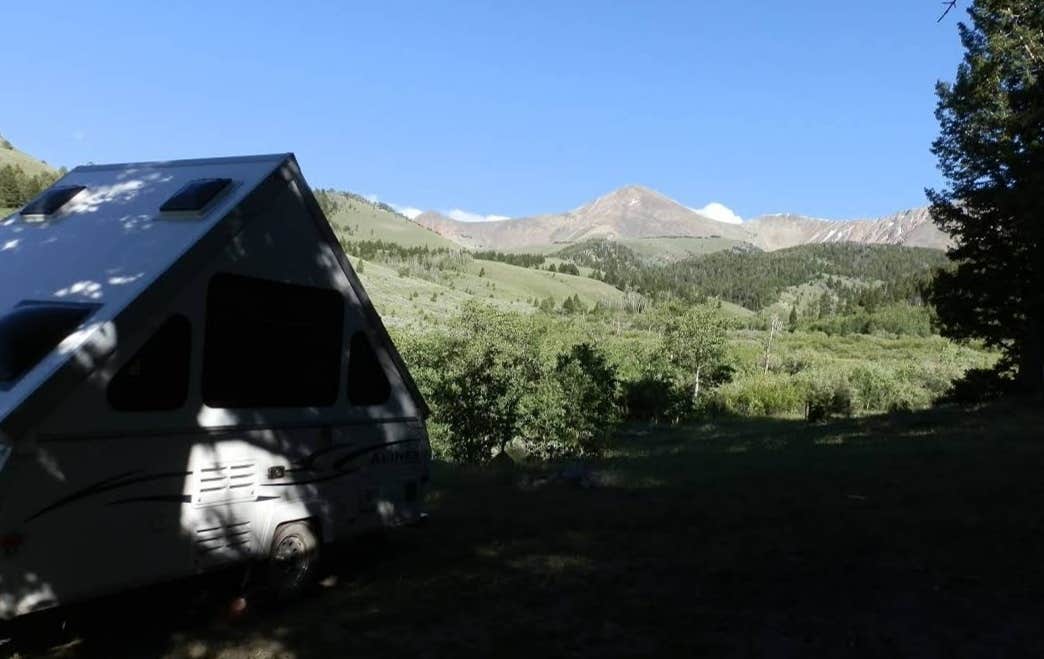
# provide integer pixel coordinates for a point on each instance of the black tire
(293, 560)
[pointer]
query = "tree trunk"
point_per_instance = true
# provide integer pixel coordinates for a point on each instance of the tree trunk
(1031, 363)
(696, 389)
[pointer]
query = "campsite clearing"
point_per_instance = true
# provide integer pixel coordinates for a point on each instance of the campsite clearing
(915, 535)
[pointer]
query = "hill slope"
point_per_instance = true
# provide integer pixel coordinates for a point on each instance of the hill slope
(755, 279)
(360, 219)
(410, 287)
(9, 155)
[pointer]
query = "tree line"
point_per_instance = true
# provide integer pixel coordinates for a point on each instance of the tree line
(755, 279)
(17, 187)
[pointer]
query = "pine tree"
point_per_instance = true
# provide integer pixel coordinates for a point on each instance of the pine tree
(991, 151)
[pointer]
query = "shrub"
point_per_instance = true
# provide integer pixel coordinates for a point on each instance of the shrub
(489, 385)
(979, 385)
(826, 397)
(759, 395)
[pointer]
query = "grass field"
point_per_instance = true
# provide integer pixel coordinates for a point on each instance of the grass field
(908, 535)
(409, 300)
(369, 222)
(29, 164)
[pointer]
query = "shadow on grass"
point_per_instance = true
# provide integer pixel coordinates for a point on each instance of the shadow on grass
(911, 534)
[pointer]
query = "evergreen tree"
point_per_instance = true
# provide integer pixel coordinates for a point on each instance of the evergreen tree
(991, 151)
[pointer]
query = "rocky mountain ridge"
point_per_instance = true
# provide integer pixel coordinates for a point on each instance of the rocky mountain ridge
(636, 212)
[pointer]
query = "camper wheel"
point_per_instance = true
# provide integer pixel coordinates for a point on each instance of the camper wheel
(293, 559)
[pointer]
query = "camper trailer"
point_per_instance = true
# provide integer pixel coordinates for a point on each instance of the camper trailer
(191, 375)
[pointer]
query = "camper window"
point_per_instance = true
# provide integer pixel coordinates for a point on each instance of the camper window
(30, 331)
(157, 377)
(270, 344)
(367, 383)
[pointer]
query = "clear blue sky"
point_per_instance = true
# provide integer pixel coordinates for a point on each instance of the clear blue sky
(821, 107)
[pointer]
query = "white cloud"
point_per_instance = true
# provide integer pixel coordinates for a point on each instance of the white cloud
(467, 216)
(719, 212)
(408, 211)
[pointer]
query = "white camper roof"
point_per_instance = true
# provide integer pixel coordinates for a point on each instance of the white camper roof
(111, 242)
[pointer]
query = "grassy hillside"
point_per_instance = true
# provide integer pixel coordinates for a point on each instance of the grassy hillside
(9, 155)
(22, 177)
(666, 250)
(418, 277)
(366, 220)
(405, 300)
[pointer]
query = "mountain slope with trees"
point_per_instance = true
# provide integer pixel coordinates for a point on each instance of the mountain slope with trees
(859, 276)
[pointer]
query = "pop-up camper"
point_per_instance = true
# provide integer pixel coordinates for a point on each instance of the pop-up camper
(191, 374)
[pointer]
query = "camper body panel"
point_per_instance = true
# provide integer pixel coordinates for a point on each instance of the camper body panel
(97, 514)
(97, 497)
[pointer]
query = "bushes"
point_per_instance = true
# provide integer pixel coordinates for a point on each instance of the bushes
(556, 386)
(490, 385)
(979, 385)
(827, 396)
(894, 319)
(760, 395)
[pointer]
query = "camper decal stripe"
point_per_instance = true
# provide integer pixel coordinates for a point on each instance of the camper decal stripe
(166, 498)
(109, 484)
(317, 479)
(308, 464)
(369, 449)
(187, 433)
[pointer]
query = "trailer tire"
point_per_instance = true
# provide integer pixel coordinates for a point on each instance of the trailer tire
(293, 560)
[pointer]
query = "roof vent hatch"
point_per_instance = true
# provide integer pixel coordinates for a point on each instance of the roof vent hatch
(195, 195)
(50, 201)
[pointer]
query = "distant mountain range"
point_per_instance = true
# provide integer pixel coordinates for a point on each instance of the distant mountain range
(636, 212)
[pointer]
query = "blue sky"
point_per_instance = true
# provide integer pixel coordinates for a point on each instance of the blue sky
(509, 108)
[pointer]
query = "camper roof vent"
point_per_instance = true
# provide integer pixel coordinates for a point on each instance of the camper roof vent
(195, 195)
(51, 200)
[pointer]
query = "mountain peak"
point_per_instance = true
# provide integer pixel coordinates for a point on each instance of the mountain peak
(630, 200)
(631, 194)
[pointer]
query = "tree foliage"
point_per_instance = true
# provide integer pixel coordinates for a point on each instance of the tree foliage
(754, 279)
(991, 152)
(495, 379)
(17, 187)
(694, 342)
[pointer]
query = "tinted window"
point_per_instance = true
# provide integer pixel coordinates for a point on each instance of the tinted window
(157, 377)
(367, 383)
(30, 331)
(270, 344)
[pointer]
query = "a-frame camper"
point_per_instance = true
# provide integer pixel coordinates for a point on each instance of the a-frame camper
(190, 374)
